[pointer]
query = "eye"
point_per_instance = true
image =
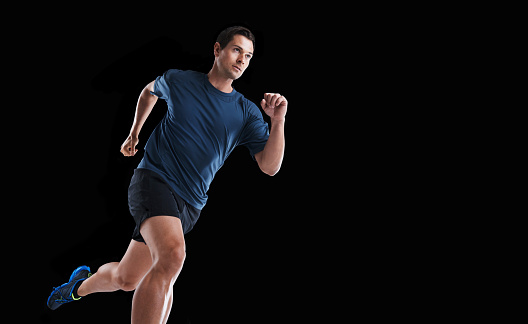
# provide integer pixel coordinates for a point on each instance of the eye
(237, 50)
(248, 56)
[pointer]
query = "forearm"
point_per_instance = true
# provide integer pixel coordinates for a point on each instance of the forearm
(144, 107)
(270, 159)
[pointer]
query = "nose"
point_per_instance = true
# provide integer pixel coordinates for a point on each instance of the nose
(240, 59)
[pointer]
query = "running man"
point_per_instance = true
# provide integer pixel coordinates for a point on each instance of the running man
(206, 119)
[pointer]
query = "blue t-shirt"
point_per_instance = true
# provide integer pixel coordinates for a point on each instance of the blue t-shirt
(201, 128)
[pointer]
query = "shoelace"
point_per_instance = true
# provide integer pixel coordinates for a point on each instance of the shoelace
(63, 300)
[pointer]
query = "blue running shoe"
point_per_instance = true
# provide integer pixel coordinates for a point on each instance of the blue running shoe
(64, 293)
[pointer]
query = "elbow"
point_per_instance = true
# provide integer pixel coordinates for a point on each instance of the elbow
(270, 168)
(270, 172)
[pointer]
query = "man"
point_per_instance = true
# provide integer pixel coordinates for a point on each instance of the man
(206, 119)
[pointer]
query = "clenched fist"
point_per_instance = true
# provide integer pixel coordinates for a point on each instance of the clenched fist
(274, 105)
(129, 146)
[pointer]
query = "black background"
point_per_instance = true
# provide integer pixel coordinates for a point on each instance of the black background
(254, 252)
(340, 231)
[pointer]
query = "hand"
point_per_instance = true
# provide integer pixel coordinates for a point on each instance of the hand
(274, 105)
(129, 146)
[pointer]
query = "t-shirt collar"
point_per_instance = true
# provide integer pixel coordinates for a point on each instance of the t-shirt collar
(221, 95)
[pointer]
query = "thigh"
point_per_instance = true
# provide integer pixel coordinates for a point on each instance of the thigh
(163, 233)
(136, 261)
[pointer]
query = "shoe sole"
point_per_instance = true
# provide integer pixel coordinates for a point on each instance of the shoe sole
(79, 269)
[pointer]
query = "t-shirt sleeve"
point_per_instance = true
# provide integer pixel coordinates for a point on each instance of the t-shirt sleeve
(255, 134)
(161, 86)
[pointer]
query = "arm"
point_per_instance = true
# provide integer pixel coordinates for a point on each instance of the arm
(144, 106)
(270, 159)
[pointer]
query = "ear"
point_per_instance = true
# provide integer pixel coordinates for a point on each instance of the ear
(216, 49)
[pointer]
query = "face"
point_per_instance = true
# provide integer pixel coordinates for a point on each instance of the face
(234, 58)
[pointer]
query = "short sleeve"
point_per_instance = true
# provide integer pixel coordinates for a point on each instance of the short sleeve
(161, 86)
(255, 133)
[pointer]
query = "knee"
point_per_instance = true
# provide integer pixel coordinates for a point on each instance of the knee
(125, 282)
(170, 260)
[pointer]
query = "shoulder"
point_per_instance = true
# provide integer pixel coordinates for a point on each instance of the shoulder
(248, 105)
(179, 76)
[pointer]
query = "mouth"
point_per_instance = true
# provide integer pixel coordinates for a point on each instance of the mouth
(237, 68)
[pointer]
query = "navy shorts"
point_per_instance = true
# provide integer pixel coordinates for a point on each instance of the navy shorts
(150, 195)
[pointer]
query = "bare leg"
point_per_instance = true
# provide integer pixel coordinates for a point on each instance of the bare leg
(167, 312)
(152, 300)
(124, 275)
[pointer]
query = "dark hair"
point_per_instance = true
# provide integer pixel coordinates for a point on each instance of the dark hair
(227, 35)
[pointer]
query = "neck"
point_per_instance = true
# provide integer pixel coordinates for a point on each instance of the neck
(218, 81)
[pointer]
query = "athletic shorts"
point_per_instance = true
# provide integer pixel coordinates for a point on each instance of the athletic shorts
(150, 195)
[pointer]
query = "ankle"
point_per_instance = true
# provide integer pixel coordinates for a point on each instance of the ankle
(78, 291)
